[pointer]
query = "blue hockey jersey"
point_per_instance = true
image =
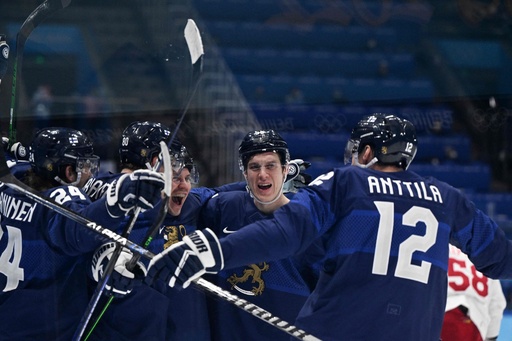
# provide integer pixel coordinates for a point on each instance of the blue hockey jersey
(385, 236)
(42, 263)
(276, 286)
(164, 313)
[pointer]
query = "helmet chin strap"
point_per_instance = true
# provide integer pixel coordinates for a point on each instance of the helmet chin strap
(369, 164)
(74, 183)
(265, 202)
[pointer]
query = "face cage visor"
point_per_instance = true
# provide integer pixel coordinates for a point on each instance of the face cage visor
(351, 148)
(89, 164)
(180, 161)
(194, 173)
(83, 165)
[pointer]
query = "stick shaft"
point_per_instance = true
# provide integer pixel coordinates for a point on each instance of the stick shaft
(253, 309)
(100, 288)
(41, 13)
(106, 234)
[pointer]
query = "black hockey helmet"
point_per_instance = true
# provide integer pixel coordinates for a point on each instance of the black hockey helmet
(181, 158)
(261, 141)
(55, 147)
(140, 142)
(392, 139)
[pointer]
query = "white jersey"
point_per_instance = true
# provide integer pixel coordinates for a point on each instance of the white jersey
(482, 296)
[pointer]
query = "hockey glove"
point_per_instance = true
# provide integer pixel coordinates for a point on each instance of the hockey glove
(142, 188)
(187, 260)
(19, 152)
(296, 177)
(121, 281)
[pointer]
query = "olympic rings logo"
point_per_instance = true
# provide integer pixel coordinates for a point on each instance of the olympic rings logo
(330, 123)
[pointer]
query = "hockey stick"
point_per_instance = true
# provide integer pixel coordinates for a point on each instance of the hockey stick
(195, 48)
(254, 310)
(107, 273)
(42, 12)
(107, 235)
(9, 180)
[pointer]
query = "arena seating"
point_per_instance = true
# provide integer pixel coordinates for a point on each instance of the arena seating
(339, 71)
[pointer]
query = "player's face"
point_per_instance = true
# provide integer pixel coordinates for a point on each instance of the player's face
(265, 176)
(181, 186)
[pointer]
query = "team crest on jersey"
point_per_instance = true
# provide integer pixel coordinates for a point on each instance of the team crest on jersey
(173, 234)
(255, 271)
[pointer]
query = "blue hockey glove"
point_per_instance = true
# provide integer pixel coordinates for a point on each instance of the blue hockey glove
(142, 188)
(121, 281)
(19, 152)
(187, 260)
(297, 177)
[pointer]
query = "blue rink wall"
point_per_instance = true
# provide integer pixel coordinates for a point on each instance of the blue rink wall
(506, 327)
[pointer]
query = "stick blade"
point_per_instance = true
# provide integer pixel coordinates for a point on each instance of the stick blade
(194, 41)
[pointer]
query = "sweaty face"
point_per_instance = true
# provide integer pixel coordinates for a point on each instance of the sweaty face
(265, 176)
(181, 186)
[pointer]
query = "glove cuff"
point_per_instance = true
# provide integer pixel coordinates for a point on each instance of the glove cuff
(100, 258)
(112, 198)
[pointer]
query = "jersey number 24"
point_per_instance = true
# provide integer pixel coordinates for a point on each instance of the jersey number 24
(10, 258)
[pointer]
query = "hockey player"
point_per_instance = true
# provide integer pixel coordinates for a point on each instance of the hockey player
(42, 268)
(181, 315)
(475, 303)
(276, 285)
(161, 314)
(386, 232)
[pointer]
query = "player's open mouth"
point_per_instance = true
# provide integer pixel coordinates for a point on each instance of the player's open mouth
(177, 199)
(266, 186)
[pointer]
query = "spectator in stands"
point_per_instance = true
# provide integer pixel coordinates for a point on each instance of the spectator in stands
(294, 96)
(338, 96)
(42, 101)
(383, 70)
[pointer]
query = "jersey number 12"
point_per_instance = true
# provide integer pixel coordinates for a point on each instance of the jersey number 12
(404, 266)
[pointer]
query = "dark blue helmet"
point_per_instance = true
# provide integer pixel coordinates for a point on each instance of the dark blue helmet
(182, 159)
(53, 148)
(140, 142)
(392, 139)
(261, 141)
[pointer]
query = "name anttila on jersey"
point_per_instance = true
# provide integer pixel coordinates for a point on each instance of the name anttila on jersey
(409, 189)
